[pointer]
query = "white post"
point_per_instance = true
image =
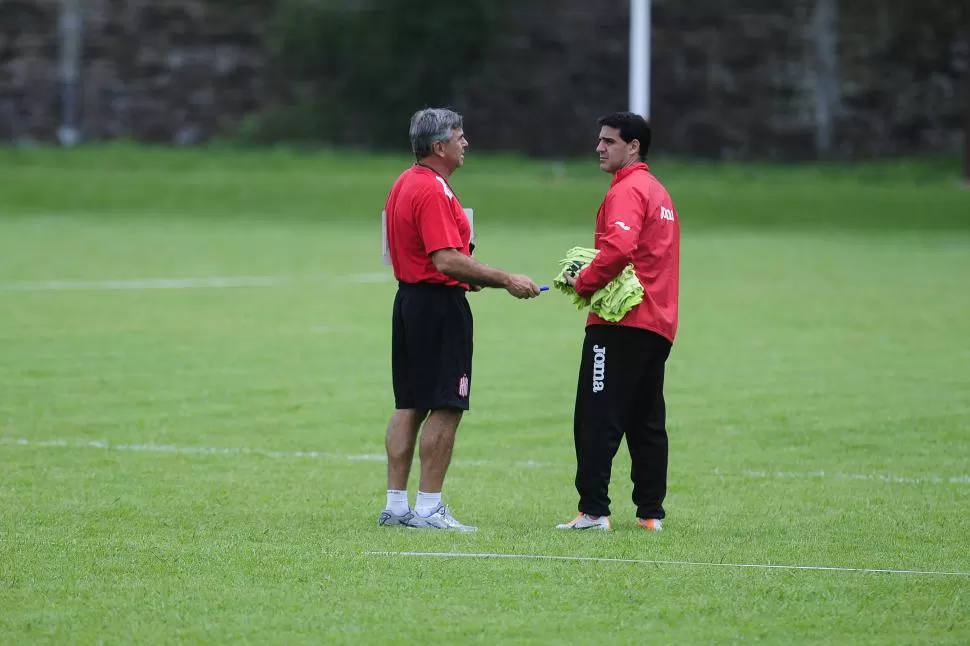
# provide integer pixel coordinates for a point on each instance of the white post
(826, 88)
(640, 57)
(69, 71)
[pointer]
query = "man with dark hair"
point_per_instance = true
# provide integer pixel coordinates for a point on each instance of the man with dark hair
(621, 373)
(429, 238)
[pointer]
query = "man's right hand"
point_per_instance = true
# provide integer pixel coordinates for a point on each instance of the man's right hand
(521, 286)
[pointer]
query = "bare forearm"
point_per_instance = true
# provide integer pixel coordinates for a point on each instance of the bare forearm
(468, 270)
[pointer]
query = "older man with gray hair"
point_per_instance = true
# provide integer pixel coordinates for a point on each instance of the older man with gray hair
(429, 238)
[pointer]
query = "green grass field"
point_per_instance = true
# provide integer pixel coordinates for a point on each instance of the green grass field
(194, 386)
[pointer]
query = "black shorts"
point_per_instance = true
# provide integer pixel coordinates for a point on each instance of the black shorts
(431, 347)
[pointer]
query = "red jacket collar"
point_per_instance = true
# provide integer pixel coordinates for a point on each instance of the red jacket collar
(626, 171)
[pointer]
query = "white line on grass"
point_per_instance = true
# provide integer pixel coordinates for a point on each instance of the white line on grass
(211, 282)
(518, 464)
(204, 450)
(190, 450)
(877, 477)
(595, 559)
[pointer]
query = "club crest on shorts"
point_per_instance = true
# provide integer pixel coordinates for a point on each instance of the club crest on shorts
(463, 386)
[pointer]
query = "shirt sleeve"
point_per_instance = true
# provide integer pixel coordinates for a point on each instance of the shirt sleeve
(623, 214)
(436, 222)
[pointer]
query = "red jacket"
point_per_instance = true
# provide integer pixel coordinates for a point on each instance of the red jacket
(638, 223)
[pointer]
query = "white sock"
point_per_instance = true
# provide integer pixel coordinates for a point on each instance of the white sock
(397, 502)
(427, 503)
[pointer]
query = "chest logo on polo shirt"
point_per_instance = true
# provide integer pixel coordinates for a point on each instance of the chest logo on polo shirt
(444, 185)
(666, 214)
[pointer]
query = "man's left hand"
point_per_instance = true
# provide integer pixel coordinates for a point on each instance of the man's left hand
(572, 272)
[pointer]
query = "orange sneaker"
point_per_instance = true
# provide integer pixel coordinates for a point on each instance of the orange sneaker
(651, 524)
(585, 521)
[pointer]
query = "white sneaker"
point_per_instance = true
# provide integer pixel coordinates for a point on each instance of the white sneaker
(585, 521)
(389, 519)
(440, 518)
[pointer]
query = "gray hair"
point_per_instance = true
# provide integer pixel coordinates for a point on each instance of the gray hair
(431, 125)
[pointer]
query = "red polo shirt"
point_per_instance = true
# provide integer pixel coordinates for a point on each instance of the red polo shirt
(637, 223)
(424, 216)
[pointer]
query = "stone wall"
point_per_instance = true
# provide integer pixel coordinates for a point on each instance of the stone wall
(153, 70)
(746, 79)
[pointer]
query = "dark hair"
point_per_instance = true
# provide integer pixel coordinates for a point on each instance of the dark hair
(631, 126)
